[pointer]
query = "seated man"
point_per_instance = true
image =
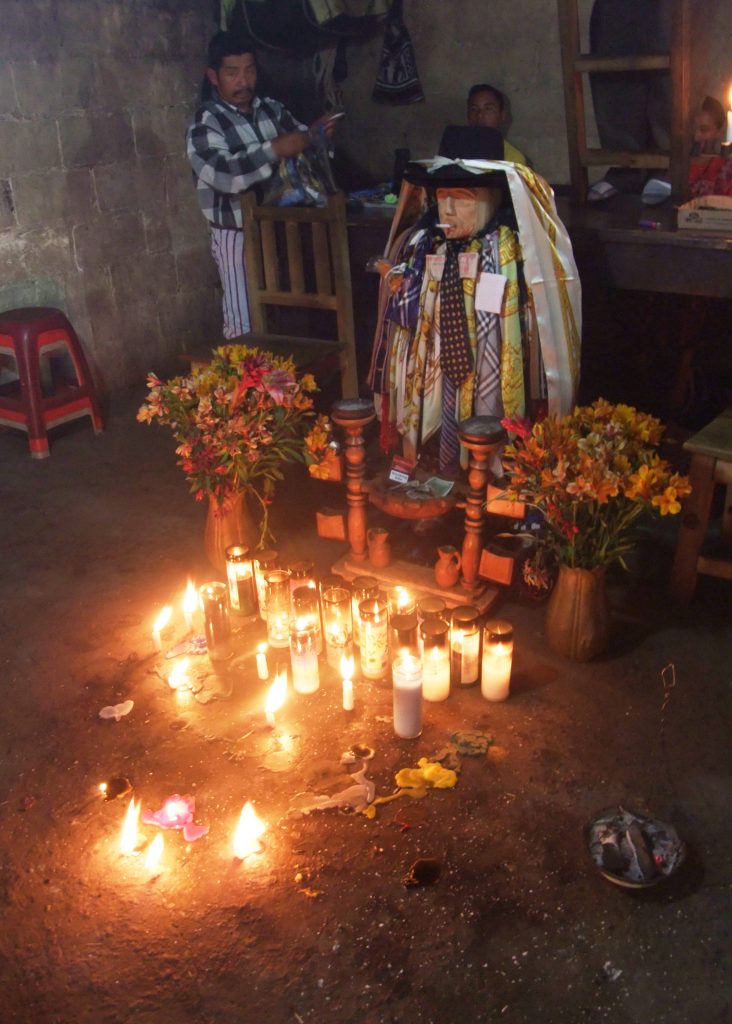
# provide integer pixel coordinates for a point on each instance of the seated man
(487, 109)
(480, 301)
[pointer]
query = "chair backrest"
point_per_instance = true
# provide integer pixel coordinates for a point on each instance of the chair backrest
(297, 257)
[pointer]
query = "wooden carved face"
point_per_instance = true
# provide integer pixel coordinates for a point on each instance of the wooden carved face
(466, 210)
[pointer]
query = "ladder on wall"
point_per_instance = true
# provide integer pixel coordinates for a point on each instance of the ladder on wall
(576, 65)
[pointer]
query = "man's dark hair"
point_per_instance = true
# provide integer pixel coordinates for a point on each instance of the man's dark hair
(483, 87)
(715, 110)
(227, 44)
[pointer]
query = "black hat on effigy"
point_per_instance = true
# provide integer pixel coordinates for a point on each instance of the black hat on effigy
(461, 142)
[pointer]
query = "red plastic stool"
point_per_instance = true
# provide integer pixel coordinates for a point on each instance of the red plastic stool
(27, 334)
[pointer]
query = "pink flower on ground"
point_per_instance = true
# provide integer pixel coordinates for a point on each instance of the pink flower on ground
(177, 812)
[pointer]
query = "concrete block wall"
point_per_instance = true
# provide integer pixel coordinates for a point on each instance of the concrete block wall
(97, 208)
(514, 46)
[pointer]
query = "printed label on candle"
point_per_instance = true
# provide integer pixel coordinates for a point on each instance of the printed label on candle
(466, 651)
(374, 661)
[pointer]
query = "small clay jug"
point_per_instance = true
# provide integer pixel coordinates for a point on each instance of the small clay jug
(379, 547)
(447, 566)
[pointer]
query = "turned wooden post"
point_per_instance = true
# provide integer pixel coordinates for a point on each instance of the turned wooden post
(353, 414)
(481, 435)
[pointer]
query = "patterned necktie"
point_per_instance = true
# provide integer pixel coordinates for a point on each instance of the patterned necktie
(456, 359)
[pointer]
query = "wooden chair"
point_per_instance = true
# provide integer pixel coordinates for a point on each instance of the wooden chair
(711, 464)
(297, 258)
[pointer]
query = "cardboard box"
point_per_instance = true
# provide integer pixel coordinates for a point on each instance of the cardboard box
(707, 215)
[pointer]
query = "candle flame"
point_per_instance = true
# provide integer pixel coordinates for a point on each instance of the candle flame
(276, 694)
(154, 855)
(346, 667)
(178, 678)
(248, 831)
(163, 619)
(190, 599)
(262, 648)
(128, 838)
(402, 597)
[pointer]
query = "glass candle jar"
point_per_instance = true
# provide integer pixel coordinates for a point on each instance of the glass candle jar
(404, 635)
(430, 608)
(374, 617)
(239, 573)
(401, 601)
(363, 588)
(495, 676)
(464, 646)
(277, 601)
(337, 623)
(435, 637)
(305, 605)
(264, 562)
(214, 600)
(407, 695)
(304, 656)
(301, 575)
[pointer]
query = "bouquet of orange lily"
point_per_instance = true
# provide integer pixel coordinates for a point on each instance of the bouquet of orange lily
(594, 475)
(236, 421)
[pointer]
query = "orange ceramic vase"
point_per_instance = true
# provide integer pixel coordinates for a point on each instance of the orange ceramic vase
(577, 621)
(224, 527)
(447, 566)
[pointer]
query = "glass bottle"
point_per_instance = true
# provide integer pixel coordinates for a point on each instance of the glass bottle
(214, 600)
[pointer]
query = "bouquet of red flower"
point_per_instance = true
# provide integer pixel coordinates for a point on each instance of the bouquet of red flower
(236, 421)
(593, 474)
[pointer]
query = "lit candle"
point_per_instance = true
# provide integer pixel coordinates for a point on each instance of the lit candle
(262, 666)
(729, 119)
(465, 646)
(277, 599)
(160, 623)
(246, 837)
(154, 855)
(407, 692)
(336, 603)
(128, 838)
(401, 601)
(435, 660)
(347, 673)
(275, 698)
(190, 602)
(178, 678)
(239, 573)
(304, 657)
(497, 658)
(374, 638)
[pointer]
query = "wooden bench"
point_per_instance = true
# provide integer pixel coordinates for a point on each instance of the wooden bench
(711, 464)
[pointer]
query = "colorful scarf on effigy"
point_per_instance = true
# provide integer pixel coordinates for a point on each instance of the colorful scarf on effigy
(530, 351)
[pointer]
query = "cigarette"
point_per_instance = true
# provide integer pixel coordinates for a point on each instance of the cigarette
(444, 225)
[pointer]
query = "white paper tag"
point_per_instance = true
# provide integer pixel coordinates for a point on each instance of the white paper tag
(468, 264)
(434, 266)
(489, 292)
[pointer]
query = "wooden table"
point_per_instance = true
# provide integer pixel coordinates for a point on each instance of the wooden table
(612, 248)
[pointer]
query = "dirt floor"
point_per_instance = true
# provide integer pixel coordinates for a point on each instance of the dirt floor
(319, 926)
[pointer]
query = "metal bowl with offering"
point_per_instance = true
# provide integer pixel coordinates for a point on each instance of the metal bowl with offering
(632, 849)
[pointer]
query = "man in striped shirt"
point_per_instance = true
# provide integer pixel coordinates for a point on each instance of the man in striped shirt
(235, 142)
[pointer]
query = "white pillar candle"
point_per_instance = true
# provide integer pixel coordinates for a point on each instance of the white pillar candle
(262, 666)
(495, 675)
(304, 657)
(407, 692)
(729, 119)
(436, 673)
(348, 695)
